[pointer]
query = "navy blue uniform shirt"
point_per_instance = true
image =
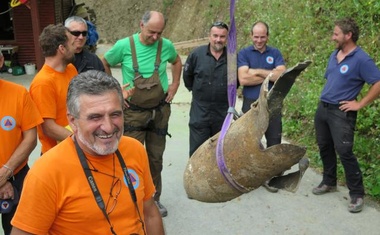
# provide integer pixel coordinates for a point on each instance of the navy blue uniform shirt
(254, 59)
(345, 80)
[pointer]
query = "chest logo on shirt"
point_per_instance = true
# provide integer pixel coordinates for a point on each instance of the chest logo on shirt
(134, 178)
(8, 123)
(344, 69)
(270, 60)
(5, 206)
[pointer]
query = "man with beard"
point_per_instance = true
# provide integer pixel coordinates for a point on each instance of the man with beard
(205, 75)
(144, 57)
(255, 63)
(49, 87)
(349, 67)
(84, 60)
(95, 182)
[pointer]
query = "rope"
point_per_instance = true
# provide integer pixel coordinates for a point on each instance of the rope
(4, 12)
(231, 74)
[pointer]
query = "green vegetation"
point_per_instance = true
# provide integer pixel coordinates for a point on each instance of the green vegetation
(167, 4)
(302, 30)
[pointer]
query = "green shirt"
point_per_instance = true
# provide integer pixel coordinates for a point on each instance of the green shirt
(146, 56)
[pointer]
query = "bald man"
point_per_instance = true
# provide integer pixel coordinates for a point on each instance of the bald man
(143, 58)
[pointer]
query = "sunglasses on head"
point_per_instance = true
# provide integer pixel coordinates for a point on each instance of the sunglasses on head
(220, 24)
(77, 33)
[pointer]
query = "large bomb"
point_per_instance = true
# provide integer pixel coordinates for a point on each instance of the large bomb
(246, 164)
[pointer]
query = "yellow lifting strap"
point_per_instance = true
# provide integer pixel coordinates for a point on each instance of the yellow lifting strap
(15, 3)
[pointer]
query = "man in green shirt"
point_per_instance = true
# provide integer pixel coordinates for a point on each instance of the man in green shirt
(143, 57)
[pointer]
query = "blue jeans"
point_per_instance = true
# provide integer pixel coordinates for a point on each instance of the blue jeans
(335, 135)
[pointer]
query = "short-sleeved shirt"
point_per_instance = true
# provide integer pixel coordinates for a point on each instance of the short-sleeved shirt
(146, 57)
(18, 113)
(345, 80)
(254, 59)
(49, 91)
(57, 198)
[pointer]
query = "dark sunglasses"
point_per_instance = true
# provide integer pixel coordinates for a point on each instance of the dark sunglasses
(220, 24)
(77, 33)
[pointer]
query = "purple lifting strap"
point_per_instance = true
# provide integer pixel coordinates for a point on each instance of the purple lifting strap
(231, 73)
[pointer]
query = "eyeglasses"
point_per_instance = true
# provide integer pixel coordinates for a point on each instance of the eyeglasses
(220, 24)
(114, 193)
(77, 33)
(114, 190)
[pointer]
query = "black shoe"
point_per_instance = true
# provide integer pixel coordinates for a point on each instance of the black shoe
(323, 188)
(356, 204)
(161, 208)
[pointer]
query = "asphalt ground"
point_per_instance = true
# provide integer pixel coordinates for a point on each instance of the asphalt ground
(256, 212)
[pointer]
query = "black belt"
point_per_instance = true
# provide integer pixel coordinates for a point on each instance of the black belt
(328, 105)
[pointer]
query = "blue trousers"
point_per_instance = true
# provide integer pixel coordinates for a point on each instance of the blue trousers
(335, 135)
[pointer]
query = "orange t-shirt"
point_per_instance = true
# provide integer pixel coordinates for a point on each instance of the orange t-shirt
(18, 113)
(49, 91)
(57, 199)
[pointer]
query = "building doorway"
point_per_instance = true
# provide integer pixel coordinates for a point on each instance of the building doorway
(6, 22)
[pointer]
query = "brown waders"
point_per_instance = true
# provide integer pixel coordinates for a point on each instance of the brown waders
(147, 117)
